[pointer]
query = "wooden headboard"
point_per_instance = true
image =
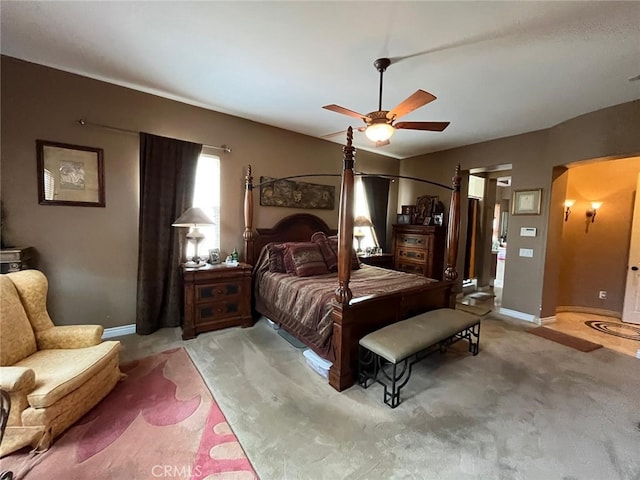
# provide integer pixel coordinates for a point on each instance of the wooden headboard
(294, 228)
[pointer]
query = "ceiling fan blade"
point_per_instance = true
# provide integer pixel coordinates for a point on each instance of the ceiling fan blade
(346, 111)
(433, 126)
(382, 144)
(417, 100)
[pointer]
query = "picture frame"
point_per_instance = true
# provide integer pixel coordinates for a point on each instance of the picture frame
(293, 194)
(70, 174)
(526, 202)
(438, 219)
(404, 219)
(425, 206)
(427, 221)
(214, 256)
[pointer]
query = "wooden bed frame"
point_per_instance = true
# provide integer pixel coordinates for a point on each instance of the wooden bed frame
(354, 318)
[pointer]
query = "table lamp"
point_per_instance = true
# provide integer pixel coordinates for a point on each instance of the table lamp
(193, 218)
(358, 223)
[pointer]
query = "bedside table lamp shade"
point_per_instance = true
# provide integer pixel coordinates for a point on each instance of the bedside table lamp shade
(358, 223)
(193, 218)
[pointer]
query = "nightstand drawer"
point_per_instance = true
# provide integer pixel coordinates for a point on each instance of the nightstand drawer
(412, 254)
(215, 292)
(412, 240)
(217, 311)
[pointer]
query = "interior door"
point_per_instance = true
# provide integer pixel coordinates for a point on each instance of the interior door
(631, 308)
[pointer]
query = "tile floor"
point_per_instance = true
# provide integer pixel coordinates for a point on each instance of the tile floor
(572, 323)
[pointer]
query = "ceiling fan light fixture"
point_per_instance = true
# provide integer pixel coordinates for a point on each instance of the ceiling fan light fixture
(379, 132)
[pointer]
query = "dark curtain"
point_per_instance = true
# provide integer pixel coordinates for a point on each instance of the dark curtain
(167, 179)
(376, 189)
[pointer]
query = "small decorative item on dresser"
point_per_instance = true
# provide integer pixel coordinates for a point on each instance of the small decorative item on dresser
(404, 219)
(214, 256)
(215, 297)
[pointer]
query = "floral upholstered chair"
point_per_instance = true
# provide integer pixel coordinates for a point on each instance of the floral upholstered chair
(53, 374)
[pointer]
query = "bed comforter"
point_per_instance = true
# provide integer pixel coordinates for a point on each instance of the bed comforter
(303, 305)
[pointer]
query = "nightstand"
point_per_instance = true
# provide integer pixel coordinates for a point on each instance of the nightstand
(383, 260)
(215, 297)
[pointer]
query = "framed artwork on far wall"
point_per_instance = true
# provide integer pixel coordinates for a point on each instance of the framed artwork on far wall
(70, 174)
(526, 202)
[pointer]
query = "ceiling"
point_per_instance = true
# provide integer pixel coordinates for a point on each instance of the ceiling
(497, 68)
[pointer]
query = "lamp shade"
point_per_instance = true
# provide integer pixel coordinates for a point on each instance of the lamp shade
(379, 132)
(362, 221)
(193, 217)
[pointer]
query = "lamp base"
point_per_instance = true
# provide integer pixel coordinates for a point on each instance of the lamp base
(192, 264)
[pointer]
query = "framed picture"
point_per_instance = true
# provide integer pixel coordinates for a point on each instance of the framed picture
(438, 219)
(214, 256)
(427, 221)
(70, 174)
(425, 206)
(404, 219)
(526, 202)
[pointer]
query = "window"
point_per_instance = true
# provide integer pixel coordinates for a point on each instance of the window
(362, 208)
(206, 195)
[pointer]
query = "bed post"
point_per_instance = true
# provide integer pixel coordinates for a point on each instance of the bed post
(248, 215)
(345, 224)
(453, 233)
(340, 374)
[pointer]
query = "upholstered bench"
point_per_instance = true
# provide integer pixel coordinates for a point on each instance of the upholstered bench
(387, 355)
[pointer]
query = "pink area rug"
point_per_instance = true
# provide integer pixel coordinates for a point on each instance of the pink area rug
(160, 422)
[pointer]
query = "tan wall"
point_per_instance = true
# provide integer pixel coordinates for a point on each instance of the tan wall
(90, 254)
(608, 133)
(596, 259)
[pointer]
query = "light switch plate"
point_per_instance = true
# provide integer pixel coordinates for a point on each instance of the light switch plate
(526, 252)
(528, 231)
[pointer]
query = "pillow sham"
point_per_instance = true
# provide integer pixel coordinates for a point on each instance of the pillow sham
(330, 257)
(307, 259)
(276, 257)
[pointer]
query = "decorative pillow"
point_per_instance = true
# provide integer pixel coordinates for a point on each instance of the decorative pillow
(276, 257)
(289, 266)
(307, 259)
(333, 243)
(330, 257)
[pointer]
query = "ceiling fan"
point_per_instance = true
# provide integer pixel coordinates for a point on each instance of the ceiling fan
(380, 124)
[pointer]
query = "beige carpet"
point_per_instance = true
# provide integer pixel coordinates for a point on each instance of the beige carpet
(521, 409)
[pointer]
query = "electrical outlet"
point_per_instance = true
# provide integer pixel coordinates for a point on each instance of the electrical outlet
(602, 294)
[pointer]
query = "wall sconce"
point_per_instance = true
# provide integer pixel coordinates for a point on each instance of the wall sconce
(591, 214)
(567, 208)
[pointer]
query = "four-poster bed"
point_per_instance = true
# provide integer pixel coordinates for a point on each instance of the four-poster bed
(351, 316)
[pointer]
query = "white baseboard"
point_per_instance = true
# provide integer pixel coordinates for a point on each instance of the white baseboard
(519, 315)
(119, 331)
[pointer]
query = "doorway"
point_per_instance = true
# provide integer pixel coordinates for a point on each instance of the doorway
(487, 228)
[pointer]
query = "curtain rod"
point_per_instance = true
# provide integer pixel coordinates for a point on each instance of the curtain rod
(84, 122)
(358, 174)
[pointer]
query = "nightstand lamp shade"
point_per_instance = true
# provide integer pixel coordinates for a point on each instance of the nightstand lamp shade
(358, 223)
(193, 218)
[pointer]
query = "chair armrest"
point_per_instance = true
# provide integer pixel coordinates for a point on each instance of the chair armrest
(69, 336)
(16, 379)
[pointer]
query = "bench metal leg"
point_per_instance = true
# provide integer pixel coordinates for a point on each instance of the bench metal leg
(367, 367)
(397, 379)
